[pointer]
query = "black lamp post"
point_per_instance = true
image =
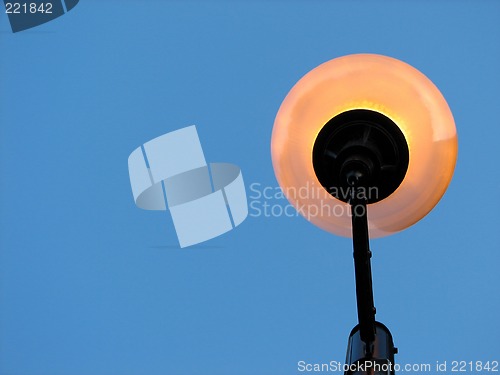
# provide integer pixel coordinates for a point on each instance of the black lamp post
(365, 153)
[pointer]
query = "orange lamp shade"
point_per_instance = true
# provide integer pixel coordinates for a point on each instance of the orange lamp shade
(378, 83)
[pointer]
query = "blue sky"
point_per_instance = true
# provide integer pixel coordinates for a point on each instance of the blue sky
(89, 284)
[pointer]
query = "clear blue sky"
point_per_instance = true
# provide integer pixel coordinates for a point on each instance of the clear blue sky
(91, 285)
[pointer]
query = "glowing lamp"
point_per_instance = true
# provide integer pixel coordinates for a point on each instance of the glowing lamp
(388, 111)
(364, 145)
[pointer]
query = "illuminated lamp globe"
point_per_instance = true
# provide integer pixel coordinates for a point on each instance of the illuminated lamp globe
(377, 100)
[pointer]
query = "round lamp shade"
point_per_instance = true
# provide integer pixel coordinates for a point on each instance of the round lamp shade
(384, 85)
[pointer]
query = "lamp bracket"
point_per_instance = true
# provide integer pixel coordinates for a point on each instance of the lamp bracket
(363, 147)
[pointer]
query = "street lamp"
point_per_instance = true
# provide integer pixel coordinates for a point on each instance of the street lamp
(373, 142)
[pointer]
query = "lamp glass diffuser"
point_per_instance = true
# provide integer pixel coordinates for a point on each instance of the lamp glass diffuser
(368, 82)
